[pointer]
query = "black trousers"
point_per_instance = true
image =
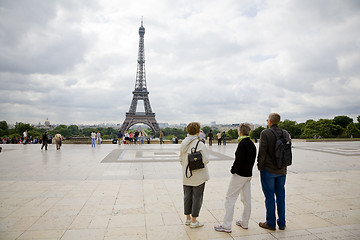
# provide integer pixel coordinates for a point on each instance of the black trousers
(193, 199)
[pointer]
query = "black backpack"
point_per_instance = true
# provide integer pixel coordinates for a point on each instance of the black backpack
(283, 155)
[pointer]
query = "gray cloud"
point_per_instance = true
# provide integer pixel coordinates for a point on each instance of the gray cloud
(224, 61)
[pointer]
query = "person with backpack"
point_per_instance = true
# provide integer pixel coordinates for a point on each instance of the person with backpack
(193, 180)
(274, 143)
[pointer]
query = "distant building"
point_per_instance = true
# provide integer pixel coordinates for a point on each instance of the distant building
(46, 125)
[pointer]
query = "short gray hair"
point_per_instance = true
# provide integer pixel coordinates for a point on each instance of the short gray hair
(245, 129)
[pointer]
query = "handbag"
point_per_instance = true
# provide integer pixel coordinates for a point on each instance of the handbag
(194, 161)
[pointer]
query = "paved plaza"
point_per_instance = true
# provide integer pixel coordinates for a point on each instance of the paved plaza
(135, 192)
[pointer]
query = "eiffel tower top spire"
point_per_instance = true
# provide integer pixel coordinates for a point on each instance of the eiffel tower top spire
(140, 84)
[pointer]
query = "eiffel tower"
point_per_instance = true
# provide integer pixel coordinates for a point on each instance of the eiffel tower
(140, 93)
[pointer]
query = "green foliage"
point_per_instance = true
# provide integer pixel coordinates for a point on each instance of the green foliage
(256, 132)
(340, 126)
(233, 133)
(4, 129)
(207, 129)
(177, 132)
(342, 121)
(292, 127)
(21, 127)
(352, 131)
(324, 128)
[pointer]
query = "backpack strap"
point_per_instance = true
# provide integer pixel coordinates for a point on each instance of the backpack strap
(276, 134)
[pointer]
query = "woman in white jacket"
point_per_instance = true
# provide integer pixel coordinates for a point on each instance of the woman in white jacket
(193, 186)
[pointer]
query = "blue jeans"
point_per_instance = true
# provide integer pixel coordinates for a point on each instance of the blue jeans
(273, 185)
(93, 142)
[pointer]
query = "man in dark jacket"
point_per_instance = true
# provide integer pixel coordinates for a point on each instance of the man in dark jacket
(240, 181)
(272, 178)
(44, 141)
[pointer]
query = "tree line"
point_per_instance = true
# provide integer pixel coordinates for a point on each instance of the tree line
(338, 127)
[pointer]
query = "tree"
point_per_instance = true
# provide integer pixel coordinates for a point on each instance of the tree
(256, 132)
(352, 131)
(310, 129)
(342, 121)
(74, 130)
(21, 127)
(206, 130)
(4, 129)
(292, 127)
(233, 133)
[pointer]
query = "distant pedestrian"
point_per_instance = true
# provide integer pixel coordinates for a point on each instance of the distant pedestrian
(202, 136)
(219, 137)
(127, 138)
(93, 138)
(120, 136)
(161, 137)
(210, 136)
(98, 138)
(241, 171)
(223, 136)
(25, 136)
(44, 141)
(58, 140)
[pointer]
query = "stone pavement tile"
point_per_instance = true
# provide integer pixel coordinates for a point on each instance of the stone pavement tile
(341, 217)
(167, 232)
(10, 235)
(96, 209)
(53, 222)
(46, 234)
(296, 234)
(128, 220)
(6, 209)
(63, 210)
(304, 221)
(171, 218)
(267, 236)
(128, 233)
(21, 223)
(84, 234)
(333, 233)
(29, 211)
(353, 228)
(129, 208)
(154, 219)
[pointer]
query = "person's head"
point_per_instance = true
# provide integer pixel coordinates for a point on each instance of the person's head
(273, 119)
(244, 129)
(193, 128)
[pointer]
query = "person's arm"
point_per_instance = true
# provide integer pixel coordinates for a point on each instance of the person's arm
(236, 165)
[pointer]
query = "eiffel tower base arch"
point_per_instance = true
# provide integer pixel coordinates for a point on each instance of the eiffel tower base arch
(147, 119)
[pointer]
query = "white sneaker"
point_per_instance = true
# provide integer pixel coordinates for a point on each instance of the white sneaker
(240, 224)
(187, 222)
(197, 224)
(222, 229)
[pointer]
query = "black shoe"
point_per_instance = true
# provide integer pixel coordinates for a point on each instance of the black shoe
(266, 226)
(282, 228)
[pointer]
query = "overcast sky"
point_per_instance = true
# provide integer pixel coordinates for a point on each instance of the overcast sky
(227, 61)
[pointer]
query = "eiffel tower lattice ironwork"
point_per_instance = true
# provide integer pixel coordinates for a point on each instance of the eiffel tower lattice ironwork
(140, 93)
